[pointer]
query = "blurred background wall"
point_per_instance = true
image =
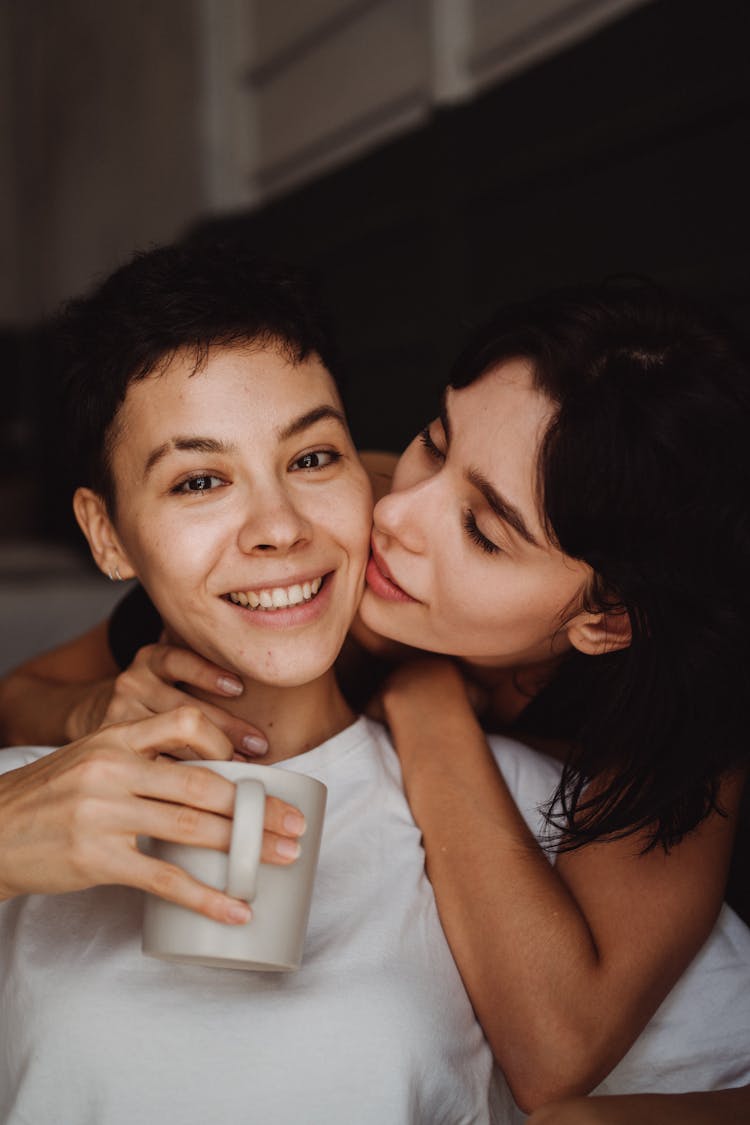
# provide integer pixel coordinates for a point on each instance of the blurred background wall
(426, 158)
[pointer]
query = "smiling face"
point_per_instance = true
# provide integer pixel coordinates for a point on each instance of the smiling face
(243, 509)
(461, 563)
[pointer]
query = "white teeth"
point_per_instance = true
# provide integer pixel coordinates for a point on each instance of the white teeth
(279, 597)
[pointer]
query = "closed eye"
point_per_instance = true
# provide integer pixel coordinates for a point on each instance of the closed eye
(198, 482)
(429, 445)
(476, 536)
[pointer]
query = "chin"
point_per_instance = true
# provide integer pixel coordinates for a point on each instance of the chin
(386, 623)
(286, 679)
(291, 673)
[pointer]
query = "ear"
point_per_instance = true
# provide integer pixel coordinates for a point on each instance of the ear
(597, 633)
(104, 543)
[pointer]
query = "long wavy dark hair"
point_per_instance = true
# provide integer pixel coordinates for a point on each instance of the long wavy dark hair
(643, 474)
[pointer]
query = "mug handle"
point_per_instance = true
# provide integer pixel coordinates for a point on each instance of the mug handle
(247, 839)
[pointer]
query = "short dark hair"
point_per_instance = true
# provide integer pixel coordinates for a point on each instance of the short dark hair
(643, 474)
(188, 295)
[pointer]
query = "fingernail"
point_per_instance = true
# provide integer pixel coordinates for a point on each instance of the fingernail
(294, 823)
(239, 912)
(229, 686)
(255, 744)
(288, 849)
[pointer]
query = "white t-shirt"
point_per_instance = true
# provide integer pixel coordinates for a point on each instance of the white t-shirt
(374, 1029)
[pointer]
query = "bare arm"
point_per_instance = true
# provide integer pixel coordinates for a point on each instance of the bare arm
(74, 681)
(72, 690)
(565, 965)
(730, 1107)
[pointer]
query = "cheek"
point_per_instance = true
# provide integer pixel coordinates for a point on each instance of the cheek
(355, 538)
(480, 602)
(353, 528)
(169, 554)
(473, 615)
(459, 593)
(171, 588)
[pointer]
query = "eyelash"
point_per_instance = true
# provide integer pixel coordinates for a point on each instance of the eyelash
(469, 522)
(183, 489)
(472, 530)
(333, 456)
(429, 445)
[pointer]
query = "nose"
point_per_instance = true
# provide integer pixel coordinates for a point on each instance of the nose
(406, 515)
(273, 523)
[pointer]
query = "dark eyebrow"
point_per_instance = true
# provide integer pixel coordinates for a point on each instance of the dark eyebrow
(187, 444)
(502, 508)
(305, 421)
(212, 445)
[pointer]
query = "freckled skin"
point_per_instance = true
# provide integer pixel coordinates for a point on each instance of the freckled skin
(502, 609)
(261, 520)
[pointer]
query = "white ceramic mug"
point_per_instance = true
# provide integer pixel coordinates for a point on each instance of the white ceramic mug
(274, 937)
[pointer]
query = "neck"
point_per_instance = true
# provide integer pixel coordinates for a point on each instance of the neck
(293, 719)
(509, 690)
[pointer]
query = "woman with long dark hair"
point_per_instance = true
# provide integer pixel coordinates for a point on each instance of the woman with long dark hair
(574, 529)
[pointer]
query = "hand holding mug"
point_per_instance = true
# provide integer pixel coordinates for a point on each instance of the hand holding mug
(71, 819)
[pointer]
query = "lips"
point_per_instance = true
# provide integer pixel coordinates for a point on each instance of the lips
(380, 581)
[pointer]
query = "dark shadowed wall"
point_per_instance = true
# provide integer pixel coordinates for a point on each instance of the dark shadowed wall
(626, 153)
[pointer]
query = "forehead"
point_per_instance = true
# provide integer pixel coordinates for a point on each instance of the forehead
(497, 426)
(233, 387)
(502, 413)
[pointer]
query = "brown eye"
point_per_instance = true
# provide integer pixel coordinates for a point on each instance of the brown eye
(318, 459)
(201, 482)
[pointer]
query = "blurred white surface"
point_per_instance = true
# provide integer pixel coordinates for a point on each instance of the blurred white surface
(48, 594)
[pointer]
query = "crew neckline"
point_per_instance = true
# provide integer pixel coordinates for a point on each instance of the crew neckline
(338, 745)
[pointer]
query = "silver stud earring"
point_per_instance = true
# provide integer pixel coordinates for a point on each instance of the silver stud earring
(114, 576)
